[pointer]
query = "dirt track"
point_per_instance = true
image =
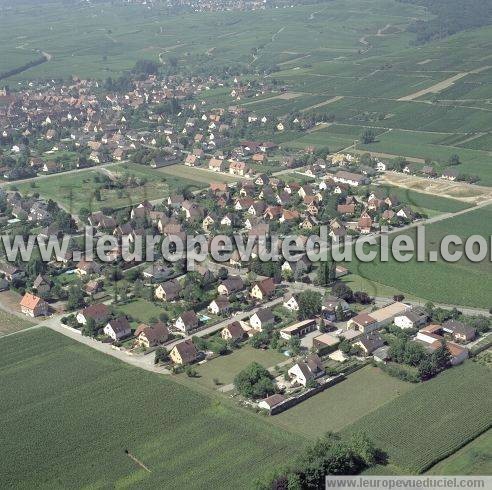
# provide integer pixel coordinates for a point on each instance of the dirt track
(470, 193)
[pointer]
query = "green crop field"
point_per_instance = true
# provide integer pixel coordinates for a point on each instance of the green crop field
(473, 459)
(11, 323)
(70, 413)
(463, 282)
(435, 419)
(335, 408)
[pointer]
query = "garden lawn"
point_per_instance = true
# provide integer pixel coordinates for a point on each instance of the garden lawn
(142, 310)
(69, 414)
(225, 368)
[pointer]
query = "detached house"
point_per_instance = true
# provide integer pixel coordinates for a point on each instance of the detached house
(184, 353)
(261, 319)
(303, 372)
(97, 312)
(33, 306)
(168, 291)
(219, 305)
(231, 285)
(42, 284)
(118, 328)
(233, 331)
(237, 168)
(291, 302)
(263, 289)
(150, 336)
(216, 165)
(369, 343)
(187, 321)
(414, 318)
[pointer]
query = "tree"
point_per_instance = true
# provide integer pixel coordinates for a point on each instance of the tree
(414, 353)
(294, 345)
(426, 369)
(35, 266)
(309, 304)
(161, 355)
(254, 381)
(191, 372)
(454, 159)
(90, 329)
(332, 273)
(368, 136)
(362, 298)
(339, 313)
(341, 290)
(259, 339)
(324, 273)
(364, 447)
(75, 298)
(441, 357)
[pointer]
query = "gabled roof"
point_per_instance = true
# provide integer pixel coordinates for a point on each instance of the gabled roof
(30, 301)
(119, 324)
(235, 329)
(265, 315)
(96, 311)
(187, 351)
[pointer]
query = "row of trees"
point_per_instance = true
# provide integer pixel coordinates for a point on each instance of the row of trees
(329, 455)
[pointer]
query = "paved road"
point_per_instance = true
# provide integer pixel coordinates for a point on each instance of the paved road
(219, 326)
(142, 361)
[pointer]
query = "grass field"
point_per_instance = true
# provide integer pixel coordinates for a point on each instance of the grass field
(141, 310)
(343, 404)
(225, 368)
(473, 459)
(462, 283)
(198, 175)
(69, 413)
(11, 323)
(426, 203)
(433, 420)
(77, 190)
(372, 287)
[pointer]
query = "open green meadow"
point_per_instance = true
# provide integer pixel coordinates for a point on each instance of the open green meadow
(462, 283)
(69, 414)
(473, 459)
(428, 204)
(337, 407)
(433, 420)
(77, 190)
